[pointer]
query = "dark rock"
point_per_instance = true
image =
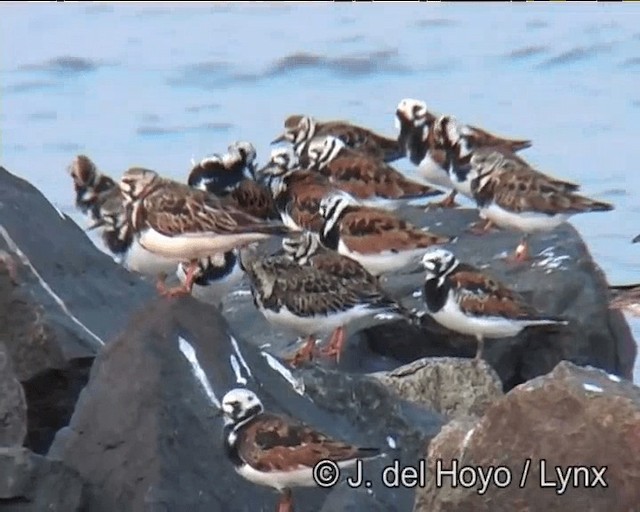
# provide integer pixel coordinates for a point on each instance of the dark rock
(563, 280)
(13, 405)
(144, 432)
(32, 483)
(453, 387)
(52, 318)
(572, 417)
(345, 499)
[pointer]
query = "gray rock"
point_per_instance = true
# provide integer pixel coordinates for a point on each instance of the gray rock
(573, 417)
(13, 405)
(345, 499)
(453, 387)
(31, 483)
(563, 280)
(52, 319)
(145, 412)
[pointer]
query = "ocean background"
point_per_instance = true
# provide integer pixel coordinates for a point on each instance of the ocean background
(156, 85)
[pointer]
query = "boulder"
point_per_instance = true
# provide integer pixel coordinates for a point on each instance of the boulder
(562, 280)
(13, 405)
(145, 431)
(54, 304)
(32, 483)
(568, 441)
(453, 387)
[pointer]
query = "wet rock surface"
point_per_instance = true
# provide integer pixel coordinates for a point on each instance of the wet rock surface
(573, 417)
(112, 377)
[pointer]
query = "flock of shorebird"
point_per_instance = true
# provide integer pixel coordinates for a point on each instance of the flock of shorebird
(332, 194)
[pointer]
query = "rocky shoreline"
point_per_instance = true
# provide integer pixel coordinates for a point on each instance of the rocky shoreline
(109, 394)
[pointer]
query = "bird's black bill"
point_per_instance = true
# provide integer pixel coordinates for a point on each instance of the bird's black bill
(280, 138)
(97, 224)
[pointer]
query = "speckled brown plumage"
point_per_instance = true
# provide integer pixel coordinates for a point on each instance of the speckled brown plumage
(172, 208)
(299, 130)
(278, 282)
(481, 295)
(369, 230)
(520, 189)
(360, 175)
(277, 443)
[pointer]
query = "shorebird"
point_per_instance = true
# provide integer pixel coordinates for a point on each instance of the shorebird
(300, 130)
(372, 181)
(463, 299)
(181, 223)
(278, 451)
(232, 176)
(420, 144)
(509, 192)
(378, 239)
(312, 300)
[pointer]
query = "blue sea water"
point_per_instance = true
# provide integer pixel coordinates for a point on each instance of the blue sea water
(157, 84)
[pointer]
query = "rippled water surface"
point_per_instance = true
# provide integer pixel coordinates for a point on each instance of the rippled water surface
(155, 85)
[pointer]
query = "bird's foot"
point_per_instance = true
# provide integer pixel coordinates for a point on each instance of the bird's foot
(303, 355)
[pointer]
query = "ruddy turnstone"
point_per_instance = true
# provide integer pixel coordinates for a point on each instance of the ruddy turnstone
(626, 297)
(372, 181)
(181, 223)
(463, 299)
(215, 277)
(98, 196)
(378, 239)
(233, 177)
(89, 184)
(311, 300)
(419, 143)
(528, 201)
(296, 192)
(110, 216)
(277, 451)
(300, 130)
(118, 237)
(307, 249)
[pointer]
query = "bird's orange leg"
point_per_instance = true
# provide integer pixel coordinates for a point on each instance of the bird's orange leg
(481, 227)
(304, 354)
(447, 202)
(286, 502)
(336, 344)
(180, 290)
(522, 253)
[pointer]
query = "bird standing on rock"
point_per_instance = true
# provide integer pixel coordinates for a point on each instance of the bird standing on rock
(278, 451)
(462, 298)
(300, 130)
(379, 240)
(316, 298)
(184, 224)
(509, 192)
(418, 139)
